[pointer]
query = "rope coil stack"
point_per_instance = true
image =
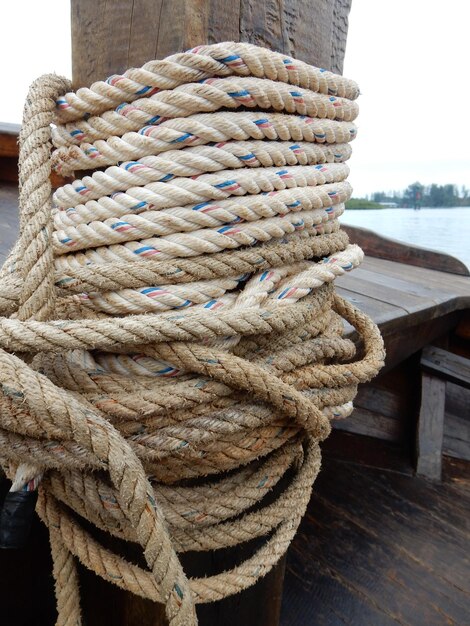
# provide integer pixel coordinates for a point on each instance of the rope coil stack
(171, 342)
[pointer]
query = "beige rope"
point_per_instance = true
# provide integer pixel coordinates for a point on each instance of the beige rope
(173, 317)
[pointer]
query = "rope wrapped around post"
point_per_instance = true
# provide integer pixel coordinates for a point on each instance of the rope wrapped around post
(171, 344)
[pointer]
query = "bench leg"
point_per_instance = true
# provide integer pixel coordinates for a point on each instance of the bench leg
(430, 430)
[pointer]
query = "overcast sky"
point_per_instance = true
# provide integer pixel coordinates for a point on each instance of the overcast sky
(410, 57)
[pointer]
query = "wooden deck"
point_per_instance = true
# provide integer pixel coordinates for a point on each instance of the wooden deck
(378, 548)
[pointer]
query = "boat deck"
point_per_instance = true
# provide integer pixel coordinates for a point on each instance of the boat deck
(378, 548)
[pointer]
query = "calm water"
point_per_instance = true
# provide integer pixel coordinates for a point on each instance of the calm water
(446, 230)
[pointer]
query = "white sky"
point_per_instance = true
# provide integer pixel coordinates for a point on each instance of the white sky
(410, 57)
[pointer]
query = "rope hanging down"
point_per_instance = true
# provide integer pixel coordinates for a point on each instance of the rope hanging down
(171, 343)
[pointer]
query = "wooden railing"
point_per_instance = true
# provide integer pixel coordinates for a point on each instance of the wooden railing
(392, 250)
(9, 151)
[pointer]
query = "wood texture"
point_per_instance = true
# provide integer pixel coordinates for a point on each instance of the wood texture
(430, 431)
(393, 250)
(399, 296)
(379, 549)
(446, 365)
(380, 412)
(456, 442)
(455, 370)
(457, 422)
(108, 37)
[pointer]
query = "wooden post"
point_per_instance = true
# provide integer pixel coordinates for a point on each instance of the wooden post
(430, 431)
(107, 38)
(438, 367)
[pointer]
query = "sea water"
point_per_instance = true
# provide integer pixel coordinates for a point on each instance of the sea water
(445, 230)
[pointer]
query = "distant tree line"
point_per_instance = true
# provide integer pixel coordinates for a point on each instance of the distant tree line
(418, 195)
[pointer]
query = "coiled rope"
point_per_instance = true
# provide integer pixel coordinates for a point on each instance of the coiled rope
(171, 345)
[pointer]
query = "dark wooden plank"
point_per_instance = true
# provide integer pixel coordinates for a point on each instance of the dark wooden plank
(379, 570)
(411, 530)
(428, 297)
(463, 329)
(324, 590)
(365, 422)
(440, 501)
(457, 472)
(404, 333)
(367, 452)
(457, 399)
(413, 542)
(316, 594)
(457, 422)
(456, 441)
(417, 294)
(430, 431)
(376, 245)
(379, 412)
(446, 365)
(438, 289)
(381, 312)
(375, 397)
(403, 339)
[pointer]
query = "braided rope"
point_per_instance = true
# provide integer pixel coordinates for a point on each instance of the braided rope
(211, 95)
(194, 161)
(199, 130)
(173, 317)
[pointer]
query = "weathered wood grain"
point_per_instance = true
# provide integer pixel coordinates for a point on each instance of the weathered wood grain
(377, 245)
(379, 548)
(108, 37)
(457, 399)
(456, 442)
(446, 365)
(365, 422)
(402, 341)
(430, 429)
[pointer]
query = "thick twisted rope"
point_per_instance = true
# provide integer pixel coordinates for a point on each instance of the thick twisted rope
(174, 316)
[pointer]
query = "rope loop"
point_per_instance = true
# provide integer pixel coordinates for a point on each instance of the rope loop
(171, 344)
